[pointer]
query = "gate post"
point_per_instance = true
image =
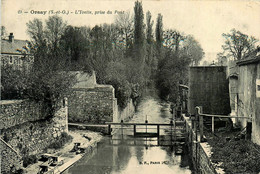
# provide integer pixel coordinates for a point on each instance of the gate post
(109, 129)
(158, 131)
(200, 124)
(134, 129)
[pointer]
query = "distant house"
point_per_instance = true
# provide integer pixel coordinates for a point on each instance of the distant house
(249, 92)
(10, 54)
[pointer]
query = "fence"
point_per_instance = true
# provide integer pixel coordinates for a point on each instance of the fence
(199, 117)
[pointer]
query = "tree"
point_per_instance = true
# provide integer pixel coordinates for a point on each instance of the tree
(149, 28)
(193, 50)
(238, 45)
(139, 31)
(171, 71)
(173, 39)
(36, 31)
(54, 30)
(222, 59)
(76, 44)
(49, 81)
(46, 42)
(159, 30)
(3, 32)
(125, 28)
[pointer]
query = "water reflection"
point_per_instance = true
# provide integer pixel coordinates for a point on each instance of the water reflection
(125, 154)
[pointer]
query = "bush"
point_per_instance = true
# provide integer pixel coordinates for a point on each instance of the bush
(236, 156)
(61, 141)
(13, 83)
(31, 159)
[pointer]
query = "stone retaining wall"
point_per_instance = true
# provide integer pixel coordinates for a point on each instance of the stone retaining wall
(15, 112)
(24, 132)
(10, 159)
(200, 152)
(92, 105)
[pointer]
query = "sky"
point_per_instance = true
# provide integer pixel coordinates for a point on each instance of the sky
(206, 20)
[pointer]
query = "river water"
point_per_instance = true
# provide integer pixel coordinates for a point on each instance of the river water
(124, 154)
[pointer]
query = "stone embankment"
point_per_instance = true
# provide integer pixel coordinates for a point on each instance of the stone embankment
(200, 152)
(88, 141)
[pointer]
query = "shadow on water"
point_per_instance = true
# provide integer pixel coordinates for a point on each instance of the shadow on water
(126, 154)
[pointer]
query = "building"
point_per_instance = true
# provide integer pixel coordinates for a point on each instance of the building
(10, 54)
(249, 93)
(208, 87)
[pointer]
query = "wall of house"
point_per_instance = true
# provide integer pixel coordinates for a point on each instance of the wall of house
(91, 105)
(24, 131)
(17, 61)
(248, 102)
(233, 92)
(209, 89)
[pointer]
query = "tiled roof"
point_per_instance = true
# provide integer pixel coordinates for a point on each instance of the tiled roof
(254, 57)
(11, 47)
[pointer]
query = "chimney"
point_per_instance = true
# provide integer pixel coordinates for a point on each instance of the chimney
(11, 37)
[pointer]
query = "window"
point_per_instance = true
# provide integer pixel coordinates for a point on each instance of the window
(11, 60)
(19, 60)
(258, 88)
(15, 59)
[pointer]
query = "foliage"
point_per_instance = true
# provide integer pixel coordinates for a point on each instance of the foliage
(30, 159)
(3, 32)
(237, 44)
(173, 39)
(77, 47)
(13, 83)
(61, 141)
(171, 72)
(139, 35)
(192, 49)
(179, 52)
(125, 29)
(159, 30)
(49, 80)
(116, 76)
(149, 28)
(124, 54)
(236, 156)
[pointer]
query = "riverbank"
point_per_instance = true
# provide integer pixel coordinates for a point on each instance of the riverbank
(88, 141)
(201, 152)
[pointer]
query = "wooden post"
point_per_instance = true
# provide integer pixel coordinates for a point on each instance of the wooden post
(248, 130)
(212, 128)
(173, 113)
(109, 129)
(134, 129)
(201, 124)
(195, 124)
(158, 131)
(201, 127)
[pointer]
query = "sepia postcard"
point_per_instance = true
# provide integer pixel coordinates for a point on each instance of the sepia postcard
(130, 87)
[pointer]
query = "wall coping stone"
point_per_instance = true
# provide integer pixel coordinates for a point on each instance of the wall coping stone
(206, 148)
(6, 102)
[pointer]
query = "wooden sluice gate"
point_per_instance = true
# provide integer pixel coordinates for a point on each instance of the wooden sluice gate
(163, 133)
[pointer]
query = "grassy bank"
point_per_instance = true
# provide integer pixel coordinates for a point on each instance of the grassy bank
(235, 155)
